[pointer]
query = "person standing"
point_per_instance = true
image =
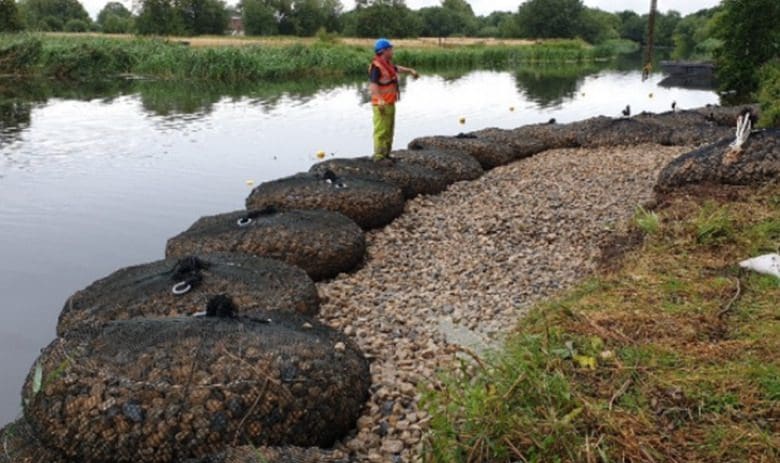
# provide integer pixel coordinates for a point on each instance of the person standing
(385, 92)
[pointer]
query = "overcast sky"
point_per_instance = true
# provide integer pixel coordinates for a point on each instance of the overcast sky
(486, 6)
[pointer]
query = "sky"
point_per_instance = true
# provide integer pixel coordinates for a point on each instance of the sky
(483, 7)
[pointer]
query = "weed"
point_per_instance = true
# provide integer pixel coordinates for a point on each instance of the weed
(647, 221)
(714, 225)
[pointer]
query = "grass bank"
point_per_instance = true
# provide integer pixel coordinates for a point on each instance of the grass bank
(76, 57)
(670, 356)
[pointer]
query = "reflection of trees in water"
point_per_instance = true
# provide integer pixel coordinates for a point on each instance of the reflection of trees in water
(18, 98)
(552, 85)
(183, 100)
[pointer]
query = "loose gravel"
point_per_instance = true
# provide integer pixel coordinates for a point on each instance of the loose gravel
(461, 267)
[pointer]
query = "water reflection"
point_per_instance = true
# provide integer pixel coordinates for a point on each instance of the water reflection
(549, 86)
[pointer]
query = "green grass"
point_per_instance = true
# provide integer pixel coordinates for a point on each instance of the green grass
(90, 57)
(647, 221)
(671, 357)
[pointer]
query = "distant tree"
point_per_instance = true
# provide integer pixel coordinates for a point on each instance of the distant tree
(467, 20)
(596, 25)
(76, 25)
(158, 17)
(51, 15)
(201, 17)
(751, 37)
(116, 25)
(441, 22)
(182, 17)
(632, 26)
(664, 28)
(259, 17)
(550, 18)
(114, 18)
(391, 18)
(10, 19)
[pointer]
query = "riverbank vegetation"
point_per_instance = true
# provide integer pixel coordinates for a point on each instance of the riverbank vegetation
(668, 355)
(82, 58)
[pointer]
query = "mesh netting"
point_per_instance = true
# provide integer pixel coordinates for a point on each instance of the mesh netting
(488, 152)
(726, 115)
(605, 131)
(521, 147)
(322, 243)
(758, 162)
(453, 165)
(685, 128)
(247, 454)
(369, 203)
(176, 287)
(495, 147)
(18, 444)
(167, 390)
(412, 179)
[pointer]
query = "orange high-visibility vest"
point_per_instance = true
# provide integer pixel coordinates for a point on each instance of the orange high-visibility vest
(388, 91)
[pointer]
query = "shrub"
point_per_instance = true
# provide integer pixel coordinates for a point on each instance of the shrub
(19, 54)
(76, 25)
(769, 94)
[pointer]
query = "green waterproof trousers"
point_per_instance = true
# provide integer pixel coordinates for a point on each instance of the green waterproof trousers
(384, 128)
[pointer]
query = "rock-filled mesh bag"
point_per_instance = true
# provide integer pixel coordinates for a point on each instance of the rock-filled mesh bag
(182, 286)
(19, 444)
(454, 166)
(757, 162)
(248, 454)
(685, 128)
(323, 243)
(369, 203)
(412, 179)
(727, 115)
(166, 390)
(487, 151)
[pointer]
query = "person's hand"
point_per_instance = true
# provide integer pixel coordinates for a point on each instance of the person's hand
(381, 106)
(414, 73)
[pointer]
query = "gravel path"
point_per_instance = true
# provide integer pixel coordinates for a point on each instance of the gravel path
(460, 267)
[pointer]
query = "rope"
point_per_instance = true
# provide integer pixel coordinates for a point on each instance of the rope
(744, 126)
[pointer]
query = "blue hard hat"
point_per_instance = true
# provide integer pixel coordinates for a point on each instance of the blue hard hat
(382, 45)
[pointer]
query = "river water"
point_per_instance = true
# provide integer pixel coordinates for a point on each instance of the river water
(97, 177)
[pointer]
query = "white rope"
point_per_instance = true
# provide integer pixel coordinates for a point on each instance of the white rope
(744, 126)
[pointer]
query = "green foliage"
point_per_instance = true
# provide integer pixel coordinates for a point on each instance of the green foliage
(521, 398)
(182, 17)
(599, 26)
(76, 25)
(441, 22)
(714, 225)
(51, 15)
(115, 19)
(769, 93)
(18, 54)
(83, 57)
(387, 19)
(647, 221)
(259, 17)
(291, 17)
(10, 19)
(115, 25)
(751, 37)
(550, 18)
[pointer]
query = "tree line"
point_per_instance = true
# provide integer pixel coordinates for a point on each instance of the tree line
(370, 18)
